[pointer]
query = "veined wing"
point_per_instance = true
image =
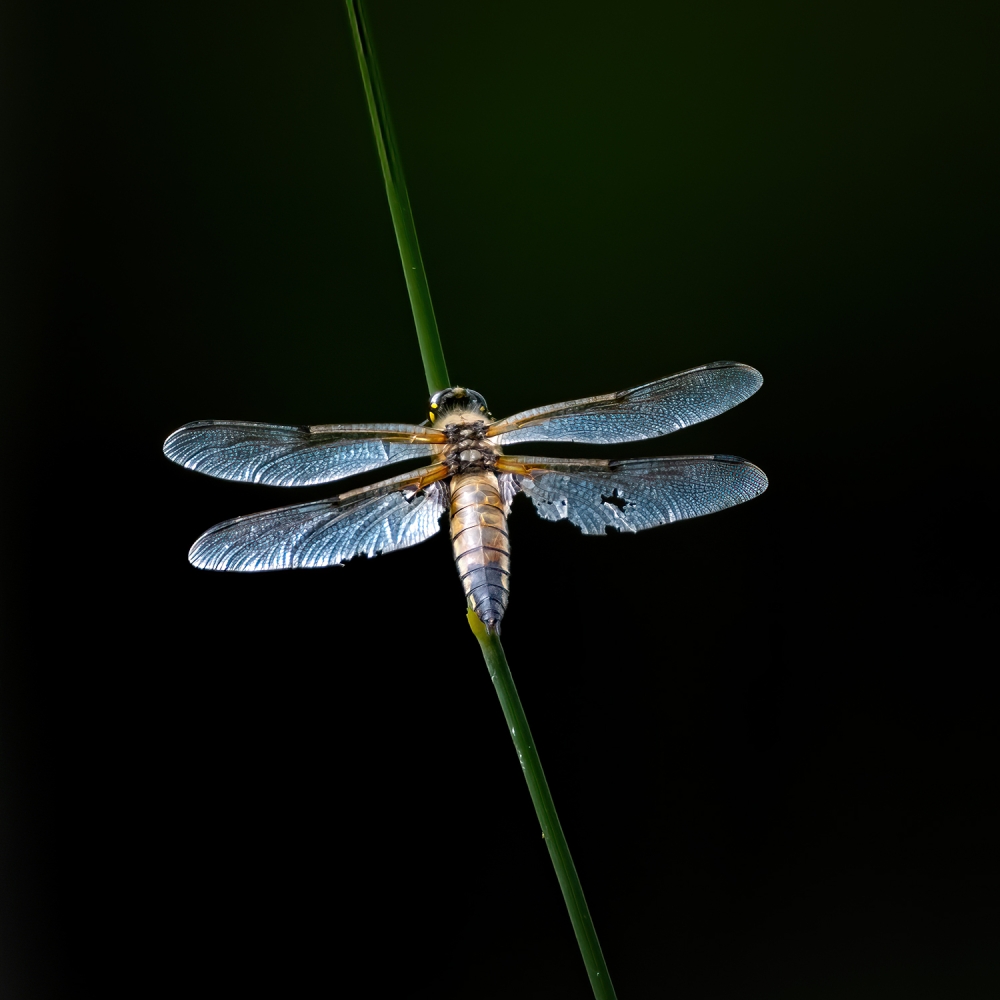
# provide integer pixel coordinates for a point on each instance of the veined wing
(646, 411)
(599, 496)
(295, 456)
(394, 514)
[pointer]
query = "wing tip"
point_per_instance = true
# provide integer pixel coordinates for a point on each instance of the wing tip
(200, 559)
(752, 475)
(218, 563)
(174, 446)
(758, 477)
(754, 376)
(170, 444)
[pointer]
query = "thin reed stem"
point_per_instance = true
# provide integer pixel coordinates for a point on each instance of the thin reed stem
(545, 809)
(399, 203)
(437, 378)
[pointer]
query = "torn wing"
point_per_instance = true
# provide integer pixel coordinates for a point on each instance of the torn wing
(599, 496)
(646, 411)
(394, 514)
(276, 455)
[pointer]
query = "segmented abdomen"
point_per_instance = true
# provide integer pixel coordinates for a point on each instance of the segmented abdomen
(482, 547)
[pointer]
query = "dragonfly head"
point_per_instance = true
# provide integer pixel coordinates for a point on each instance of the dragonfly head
(456, 398)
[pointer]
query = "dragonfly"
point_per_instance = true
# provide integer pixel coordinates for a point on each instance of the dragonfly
(469, 478)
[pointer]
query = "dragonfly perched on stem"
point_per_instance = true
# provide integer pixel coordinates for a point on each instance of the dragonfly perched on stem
(470, 478)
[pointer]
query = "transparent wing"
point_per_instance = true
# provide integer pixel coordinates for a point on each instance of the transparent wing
(635, 414)
(602, 496)
(294, 456)
(392, 515)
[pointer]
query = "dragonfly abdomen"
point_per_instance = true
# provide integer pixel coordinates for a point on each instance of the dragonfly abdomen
(481, 544)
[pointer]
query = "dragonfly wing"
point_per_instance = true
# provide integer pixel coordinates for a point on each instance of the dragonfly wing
(295, 456)
(602, 496)
(646, 411)
(391, 515)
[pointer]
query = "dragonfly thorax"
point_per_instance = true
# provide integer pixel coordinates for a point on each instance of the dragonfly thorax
(468, 447)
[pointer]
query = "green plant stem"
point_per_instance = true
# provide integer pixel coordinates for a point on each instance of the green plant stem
(541, 797)
(437, 379)
(399, 203)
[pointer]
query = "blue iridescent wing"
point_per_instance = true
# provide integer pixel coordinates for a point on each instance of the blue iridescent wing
(599, 496)
(276, 455)
(394, 514)
(646, 411)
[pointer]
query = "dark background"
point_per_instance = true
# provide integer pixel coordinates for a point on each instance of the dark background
(770, 733)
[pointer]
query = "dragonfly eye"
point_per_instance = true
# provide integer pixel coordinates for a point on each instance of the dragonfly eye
(456, 398)
(475, 401)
